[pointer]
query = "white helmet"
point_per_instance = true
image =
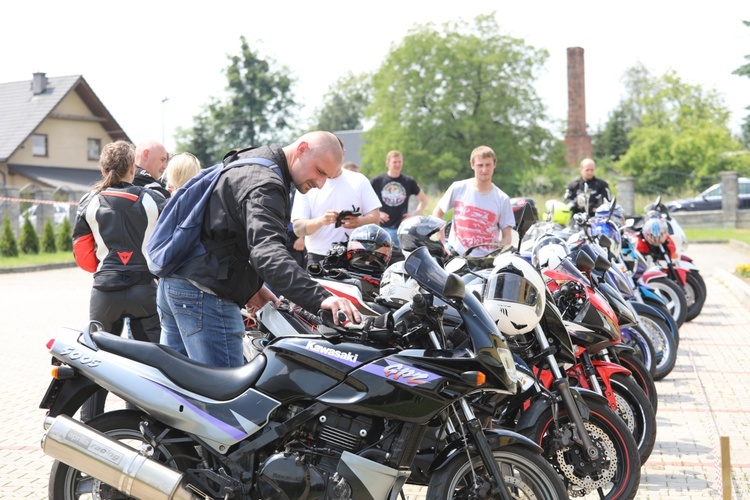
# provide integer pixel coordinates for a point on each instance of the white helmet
(396, 286)
(549, 251)
(515, 295)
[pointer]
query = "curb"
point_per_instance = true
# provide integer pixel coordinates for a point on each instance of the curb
(735, 285)
(40, 267)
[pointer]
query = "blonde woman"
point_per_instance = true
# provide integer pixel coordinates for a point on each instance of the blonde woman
(181, 168)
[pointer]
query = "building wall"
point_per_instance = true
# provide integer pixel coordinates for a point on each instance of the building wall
(67, 138)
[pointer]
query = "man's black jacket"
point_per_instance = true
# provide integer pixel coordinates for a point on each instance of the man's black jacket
(598, 192)
(245, 230)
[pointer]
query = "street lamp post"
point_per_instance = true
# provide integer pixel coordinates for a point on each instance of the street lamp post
(163, 126)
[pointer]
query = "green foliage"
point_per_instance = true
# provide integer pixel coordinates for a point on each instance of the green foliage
(65, 237)
(8, 245)
(29, 240)
(345, 102)
(445, 90)
(258, 109)
(682, 138)
(48, 238)
(744, 70)
(612, 142)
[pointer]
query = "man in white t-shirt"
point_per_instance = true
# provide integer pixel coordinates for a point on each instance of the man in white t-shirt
(314, 213)
(482, 213)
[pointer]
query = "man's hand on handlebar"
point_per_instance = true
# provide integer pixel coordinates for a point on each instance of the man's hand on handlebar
(340, 304)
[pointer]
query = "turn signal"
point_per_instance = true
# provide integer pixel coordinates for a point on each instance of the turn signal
(474, 378)
(62, 372)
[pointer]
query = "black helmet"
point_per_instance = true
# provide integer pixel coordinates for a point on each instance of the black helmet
(369, 249)
(422, 231)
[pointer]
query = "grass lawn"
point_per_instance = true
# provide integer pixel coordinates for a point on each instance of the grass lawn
(35, 259)
(742, 235)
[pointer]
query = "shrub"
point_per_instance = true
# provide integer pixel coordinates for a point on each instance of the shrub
(8, 245)
(48, 238)
(65, 237)
(29, 240)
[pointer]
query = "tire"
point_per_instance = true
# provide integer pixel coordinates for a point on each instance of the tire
(645, 351)
(634, 408)
(674, 297)
(526, 473)
(664, 344)
(641, 376)
(695, 293)
(67, 483)
(661, 309)
(618, 472)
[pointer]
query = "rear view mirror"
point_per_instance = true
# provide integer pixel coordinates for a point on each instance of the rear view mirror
(456, 264)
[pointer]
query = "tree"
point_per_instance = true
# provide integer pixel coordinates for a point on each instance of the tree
(683, 136)
(345, 102)
(744, 70)
(65, 237)
(48, 238)
(612, 142)
(445, 90)
(8, 245)
(29, 240)
(259, 108)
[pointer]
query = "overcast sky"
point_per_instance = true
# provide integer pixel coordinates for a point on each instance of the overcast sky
(135, 54)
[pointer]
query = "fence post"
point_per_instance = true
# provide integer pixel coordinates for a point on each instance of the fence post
(626, 194)
(729, 198)
(726, 469)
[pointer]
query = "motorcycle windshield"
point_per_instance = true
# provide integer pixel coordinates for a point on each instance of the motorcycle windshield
(488, 343)
(567, 267)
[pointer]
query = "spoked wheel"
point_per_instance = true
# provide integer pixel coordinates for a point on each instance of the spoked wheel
(645, 351)
(695, 295)
(673, 296)
(525, 472)
(67, 483)
(615, 474)
(665, 346)
(641, 376)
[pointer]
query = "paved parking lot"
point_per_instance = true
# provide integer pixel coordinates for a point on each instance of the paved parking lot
(704, 398)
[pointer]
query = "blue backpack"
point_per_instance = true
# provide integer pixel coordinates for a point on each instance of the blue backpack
(176, 236)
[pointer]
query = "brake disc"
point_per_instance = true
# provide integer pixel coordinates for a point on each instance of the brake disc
(588, 476)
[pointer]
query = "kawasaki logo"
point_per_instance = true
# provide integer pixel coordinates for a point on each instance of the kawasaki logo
(327, 351)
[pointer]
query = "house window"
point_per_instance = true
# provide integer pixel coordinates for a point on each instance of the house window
(39, 145)
(94, 149)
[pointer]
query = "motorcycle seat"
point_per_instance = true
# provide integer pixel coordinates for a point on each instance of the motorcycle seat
(215, 383)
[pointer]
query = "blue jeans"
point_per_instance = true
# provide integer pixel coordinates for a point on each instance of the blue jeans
(206, 328)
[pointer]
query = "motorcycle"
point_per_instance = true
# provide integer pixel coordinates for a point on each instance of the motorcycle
(338, 415)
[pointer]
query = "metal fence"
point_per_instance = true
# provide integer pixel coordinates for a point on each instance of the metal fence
(38, 204)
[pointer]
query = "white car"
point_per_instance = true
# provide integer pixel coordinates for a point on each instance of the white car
(59, 214)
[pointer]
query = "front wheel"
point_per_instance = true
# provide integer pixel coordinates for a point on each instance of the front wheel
(695, 294)
(67, 483)
(615, 474)
(525, 472)
(673, 296)
(634, 408)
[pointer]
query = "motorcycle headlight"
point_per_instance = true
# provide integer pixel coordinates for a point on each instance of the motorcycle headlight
(510, 366)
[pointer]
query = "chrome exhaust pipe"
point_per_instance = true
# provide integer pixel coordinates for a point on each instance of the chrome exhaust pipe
(110, 461)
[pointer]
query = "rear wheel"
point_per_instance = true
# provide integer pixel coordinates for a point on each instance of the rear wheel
(636, 338)
(67, 483)
(525, 472)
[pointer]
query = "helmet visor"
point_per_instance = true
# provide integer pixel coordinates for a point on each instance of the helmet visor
(510, 287)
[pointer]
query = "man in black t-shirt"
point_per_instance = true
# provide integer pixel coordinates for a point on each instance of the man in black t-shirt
(394, 189)
(150, 162)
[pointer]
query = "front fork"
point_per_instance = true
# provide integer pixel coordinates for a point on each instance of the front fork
(562, 386)
(475, 429)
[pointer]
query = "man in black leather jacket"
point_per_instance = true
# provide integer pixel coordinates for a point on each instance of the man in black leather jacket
(245, 231)
(587, 189)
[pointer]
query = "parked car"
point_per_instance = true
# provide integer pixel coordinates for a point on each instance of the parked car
(59, 214)
(710, 199)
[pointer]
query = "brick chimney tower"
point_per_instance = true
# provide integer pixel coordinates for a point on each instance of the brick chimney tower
(577, 141)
